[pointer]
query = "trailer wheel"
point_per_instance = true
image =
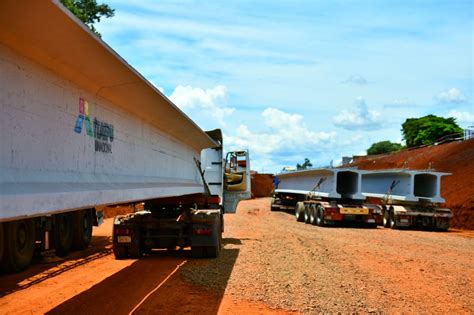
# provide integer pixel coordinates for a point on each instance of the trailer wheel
(198, 251)
(320, 216)
(272, 204)
(307, 214)
(82, 229)
(63, 233)
(312, 214)
(386, 217)
(120, 252)
(299, 211)
(393, 222)
(19, 244)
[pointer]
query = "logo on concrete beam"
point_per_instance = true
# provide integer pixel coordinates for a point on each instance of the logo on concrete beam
(102, 132)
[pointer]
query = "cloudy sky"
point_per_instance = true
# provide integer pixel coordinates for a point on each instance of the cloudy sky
(295, 79)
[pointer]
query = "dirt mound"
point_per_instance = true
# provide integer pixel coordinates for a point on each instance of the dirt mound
(455, 157)
(112, 211)
(262, 184)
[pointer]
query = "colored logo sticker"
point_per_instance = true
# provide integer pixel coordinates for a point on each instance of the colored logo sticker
(102, 132)
(83, 116)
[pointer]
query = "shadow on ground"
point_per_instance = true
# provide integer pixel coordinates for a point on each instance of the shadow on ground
(46, 268)
(136, 286)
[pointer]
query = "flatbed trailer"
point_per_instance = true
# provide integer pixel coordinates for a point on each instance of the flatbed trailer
(416, 215)
(409, 198)
(325, 197)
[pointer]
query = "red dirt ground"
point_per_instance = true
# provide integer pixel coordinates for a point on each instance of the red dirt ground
(455, 157)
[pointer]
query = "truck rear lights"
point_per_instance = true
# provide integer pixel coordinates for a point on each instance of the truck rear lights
(331, 211)
(123, 231)
(202, 231)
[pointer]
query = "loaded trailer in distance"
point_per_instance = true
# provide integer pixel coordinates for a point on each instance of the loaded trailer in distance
(325, 197)
(409, 198)
(80, 128)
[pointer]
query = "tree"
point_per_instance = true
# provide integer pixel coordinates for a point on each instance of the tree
(88, 11)
(305, 165)
(383, 147)
(428, 129)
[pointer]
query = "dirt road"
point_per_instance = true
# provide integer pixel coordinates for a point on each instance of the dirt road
(270, 264)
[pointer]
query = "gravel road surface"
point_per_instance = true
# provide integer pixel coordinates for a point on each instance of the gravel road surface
(270, 264)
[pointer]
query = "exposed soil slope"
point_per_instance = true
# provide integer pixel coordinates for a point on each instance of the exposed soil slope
(455, 157)
(262, 185)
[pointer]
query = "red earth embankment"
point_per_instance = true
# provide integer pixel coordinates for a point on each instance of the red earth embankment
(262, 185)
(455, 157)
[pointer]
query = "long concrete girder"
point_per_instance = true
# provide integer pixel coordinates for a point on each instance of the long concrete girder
(397, 184)
(403, 185)
(79, 127)
(325, 182)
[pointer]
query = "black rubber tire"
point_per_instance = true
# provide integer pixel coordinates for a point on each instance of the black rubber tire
(392, 221)
(120, 252)
(299, 211)
(306, 214)
(19, 245)
(198, 251)
(386, 218)
(272, 205)
(212, 251)
(320, 216)
(1, 242)
(82, 222)
(63, 233)
(312, 214)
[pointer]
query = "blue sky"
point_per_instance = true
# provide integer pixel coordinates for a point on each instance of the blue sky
(296, 79)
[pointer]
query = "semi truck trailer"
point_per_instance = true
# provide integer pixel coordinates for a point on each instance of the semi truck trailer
(80, 128)
(325, 197)
(409, 198)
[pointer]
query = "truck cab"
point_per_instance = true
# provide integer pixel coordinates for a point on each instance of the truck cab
(196, 220)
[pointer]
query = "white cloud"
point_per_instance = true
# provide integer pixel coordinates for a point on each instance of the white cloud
(209, 102)
(451, 96)
(285, 135)
(462, 117)
(359, 117)
(356, 79)
(159, 88)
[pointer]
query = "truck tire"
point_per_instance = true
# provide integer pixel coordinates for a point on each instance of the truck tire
(19, 245)
(198, 251)
(215, 250)
(320, 216)
(386, 218)
(82, 223)
(272, 204)
(120, 252)
(299, 211)
(63, 233)
(312, 214)
(306, 214)
(392, 221)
